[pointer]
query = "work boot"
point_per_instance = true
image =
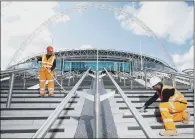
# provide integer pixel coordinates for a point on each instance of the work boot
(50, 95)
(168, 133)
(186, 118)
(42, 93)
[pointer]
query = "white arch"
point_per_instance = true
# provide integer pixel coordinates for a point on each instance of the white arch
(85, 7)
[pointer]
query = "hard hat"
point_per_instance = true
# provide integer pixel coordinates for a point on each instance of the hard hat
(154, 80)
(50, 49)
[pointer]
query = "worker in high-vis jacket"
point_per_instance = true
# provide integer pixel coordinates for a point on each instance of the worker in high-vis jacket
(48, 64)
(172, 106)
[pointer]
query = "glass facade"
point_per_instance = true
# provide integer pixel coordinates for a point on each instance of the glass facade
(84, 65)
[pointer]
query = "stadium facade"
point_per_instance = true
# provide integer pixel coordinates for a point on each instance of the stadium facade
(113, 60)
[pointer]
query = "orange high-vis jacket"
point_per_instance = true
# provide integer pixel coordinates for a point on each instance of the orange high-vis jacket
(178, 96)
(47, 63)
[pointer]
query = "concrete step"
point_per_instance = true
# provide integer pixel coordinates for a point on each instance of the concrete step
(128, 91)
(36, 105)
(116, 110)
(62, 94)
(55, 88)
(64, 132)
(30, 91)
(123, 106)
(186, 133)
(124, 132)
(120, 103)
(150, 95)
(28, 95)
(148, 115)
(35, 122)
(119, 118)
(38, 99)
(33, 117)
(145, 98)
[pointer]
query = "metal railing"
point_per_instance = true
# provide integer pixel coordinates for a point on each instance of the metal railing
(4, 72)
(55, 114)
(126, 76)
(97, 104)
(173, 76)
(12, 73)
(145, 127)
(167, 72)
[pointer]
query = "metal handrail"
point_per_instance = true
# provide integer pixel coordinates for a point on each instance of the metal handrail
(97, 102)
(127, 75)
(55, 114)
(188, 70)
(146, 128)
(15, 70)
(11, 83)
(172, 73)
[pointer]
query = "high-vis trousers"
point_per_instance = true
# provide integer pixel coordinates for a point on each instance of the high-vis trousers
(172, 112)
(44, 75)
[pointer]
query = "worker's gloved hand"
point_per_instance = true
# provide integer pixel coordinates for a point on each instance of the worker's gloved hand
(142, 109)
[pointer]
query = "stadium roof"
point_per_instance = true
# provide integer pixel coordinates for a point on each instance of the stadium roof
(86, 53)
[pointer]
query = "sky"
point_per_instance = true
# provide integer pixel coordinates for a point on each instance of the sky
(23, 32)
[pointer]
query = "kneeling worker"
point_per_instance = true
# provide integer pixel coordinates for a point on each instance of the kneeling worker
(172, 102)
(48, 64)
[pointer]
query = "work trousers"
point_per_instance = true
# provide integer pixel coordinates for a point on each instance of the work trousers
(172, 112)
(45, 75)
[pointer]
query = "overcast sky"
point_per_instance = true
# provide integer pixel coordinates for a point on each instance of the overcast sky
(172, 22)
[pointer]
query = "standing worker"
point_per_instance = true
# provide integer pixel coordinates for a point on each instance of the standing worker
(48, 64)
(172, 102)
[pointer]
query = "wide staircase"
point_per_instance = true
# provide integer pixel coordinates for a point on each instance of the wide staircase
(126, 125)
(28, 112)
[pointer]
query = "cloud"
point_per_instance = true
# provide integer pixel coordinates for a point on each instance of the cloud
(186, 60)
(18, 21)
(172, 20)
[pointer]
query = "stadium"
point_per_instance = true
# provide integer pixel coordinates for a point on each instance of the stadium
(110, 59)
(98, 93)
(123, 88)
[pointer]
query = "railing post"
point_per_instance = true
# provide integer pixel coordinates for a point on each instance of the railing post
(145, 78)
(191, 84)
(61, 81)
(62, 67)
(10, 91)
(124, 79)
(69, 80)
(163, 79)
(24, 80)
(131, 84)
(173, 80)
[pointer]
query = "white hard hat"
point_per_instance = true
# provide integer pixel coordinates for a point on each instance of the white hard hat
(154, 80)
